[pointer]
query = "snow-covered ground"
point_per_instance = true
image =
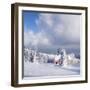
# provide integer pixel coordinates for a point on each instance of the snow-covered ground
(49, 69)
(40, 65)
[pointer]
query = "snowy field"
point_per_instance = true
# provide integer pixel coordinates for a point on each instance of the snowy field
(49, 69)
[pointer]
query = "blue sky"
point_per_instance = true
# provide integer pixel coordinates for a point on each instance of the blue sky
(29, 20)
(48, 31)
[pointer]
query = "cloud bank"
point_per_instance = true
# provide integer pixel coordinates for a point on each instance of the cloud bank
(54, 31)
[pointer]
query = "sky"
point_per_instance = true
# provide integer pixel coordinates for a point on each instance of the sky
(49, 31)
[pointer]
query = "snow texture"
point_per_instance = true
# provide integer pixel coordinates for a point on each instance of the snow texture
(44, 65)
(49, 69)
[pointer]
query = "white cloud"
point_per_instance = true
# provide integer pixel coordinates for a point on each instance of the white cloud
(45, 19)
(63, 26)
(55, 31)
(35, 39)
(72, 27)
